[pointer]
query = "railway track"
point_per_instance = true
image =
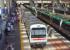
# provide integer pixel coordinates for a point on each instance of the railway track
(57, 45)
(37, 48)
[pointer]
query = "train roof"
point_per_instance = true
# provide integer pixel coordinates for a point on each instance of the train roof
(37, 25)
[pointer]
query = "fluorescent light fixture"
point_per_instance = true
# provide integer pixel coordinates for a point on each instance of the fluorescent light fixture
(0, 11)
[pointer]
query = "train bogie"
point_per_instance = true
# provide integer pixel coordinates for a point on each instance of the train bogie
(40, 44)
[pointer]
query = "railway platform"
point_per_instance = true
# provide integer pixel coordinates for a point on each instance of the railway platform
(24, 41)
(25, 45)
(55, 41)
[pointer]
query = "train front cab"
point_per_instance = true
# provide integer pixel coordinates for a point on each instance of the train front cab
(38, 35)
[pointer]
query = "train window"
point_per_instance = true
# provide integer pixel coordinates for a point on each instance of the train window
(38, 32)
(66, 27)
(56, 21)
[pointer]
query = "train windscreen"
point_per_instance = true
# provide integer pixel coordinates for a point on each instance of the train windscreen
(38, 32)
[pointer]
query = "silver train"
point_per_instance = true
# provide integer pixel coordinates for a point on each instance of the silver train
(38, 35)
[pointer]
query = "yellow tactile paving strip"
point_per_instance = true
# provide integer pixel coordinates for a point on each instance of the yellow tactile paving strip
(21, 40)
(24, 41)
(23, 34)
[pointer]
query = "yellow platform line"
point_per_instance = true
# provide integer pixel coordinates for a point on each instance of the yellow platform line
(21, 39)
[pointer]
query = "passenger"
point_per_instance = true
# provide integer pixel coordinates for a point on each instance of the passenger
(8, 29)
(9, 23)
(12, 21)
(6, 32)
(9, 48)
(12, 28)
(50, 32)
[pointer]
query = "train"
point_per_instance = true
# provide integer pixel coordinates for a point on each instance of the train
(38, 35)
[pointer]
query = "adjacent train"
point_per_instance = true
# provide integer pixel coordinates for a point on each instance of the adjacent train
(61, 24)
(38, 35)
